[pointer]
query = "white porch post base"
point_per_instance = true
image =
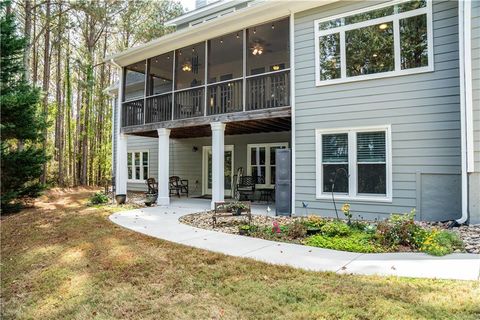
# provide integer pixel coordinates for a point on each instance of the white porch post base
(121, 162)
(218, 159)
(163, 166)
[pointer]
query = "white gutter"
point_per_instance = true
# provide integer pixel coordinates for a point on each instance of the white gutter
(462, 24)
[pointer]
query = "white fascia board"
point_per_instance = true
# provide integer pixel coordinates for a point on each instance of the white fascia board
(249, 16)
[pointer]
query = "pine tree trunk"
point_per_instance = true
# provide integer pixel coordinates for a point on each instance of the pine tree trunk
(59, 141)
(46, 82)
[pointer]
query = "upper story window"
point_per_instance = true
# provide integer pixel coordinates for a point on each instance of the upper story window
(134, 81)
(268, 47)
(386, 40)
(160, 74)
(190, 66)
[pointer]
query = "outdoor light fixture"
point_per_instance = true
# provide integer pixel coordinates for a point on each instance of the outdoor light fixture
(383, 26)
(238, 37)
(187, 66)
(276, 67)
(273, 26)
(257, 49)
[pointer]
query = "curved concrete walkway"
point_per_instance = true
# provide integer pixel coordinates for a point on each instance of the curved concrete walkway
(162, 223)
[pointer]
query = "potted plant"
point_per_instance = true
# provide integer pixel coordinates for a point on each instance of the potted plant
(120, 198)
(150, 198)
(237, 207)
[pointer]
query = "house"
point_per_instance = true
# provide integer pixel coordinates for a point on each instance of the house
(377, 100)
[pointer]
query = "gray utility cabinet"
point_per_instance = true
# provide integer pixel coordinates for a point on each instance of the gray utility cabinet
(283, 182)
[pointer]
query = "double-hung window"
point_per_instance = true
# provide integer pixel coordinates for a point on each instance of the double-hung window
(384, 40)
(354, 163)
(138, 166)
(261, 162)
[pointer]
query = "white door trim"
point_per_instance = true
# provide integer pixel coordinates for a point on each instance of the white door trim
(205, 150)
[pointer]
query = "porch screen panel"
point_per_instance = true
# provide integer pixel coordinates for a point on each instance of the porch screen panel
(160, 74)
(134, 84)
(268, 47)
(190, 66)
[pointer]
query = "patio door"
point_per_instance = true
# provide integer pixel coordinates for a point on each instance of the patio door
(207, 170)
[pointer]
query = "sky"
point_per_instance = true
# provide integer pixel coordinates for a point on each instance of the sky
(188, 4)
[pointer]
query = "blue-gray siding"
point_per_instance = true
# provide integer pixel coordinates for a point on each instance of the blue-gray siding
(423, 111)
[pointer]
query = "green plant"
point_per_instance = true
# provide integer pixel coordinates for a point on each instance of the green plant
(355, 242)
(399, 229)
(440, 243)
(236, 205)
(98, 198)
(296, 230)
(314, 222)
(335, 228)
(246, 229)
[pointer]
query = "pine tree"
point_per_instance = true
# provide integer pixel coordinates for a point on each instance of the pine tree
(21, 126)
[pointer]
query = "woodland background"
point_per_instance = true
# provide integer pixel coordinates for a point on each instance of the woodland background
(67, 43)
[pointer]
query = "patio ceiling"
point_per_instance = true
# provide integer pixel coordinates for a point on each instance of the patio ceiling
(232, 128)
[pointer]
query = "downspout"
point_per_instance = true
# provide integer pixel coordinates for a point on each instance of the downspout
(292, 104)
(463, 122)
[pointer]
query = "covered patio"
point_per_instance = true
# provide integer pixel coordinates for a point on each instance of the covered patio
(193, 154)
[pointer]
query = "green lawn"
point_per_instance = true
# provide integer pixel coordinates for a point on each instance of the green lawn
(64, 260)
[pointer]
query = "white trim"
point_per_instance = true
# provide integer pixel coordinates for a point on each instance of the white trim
(469, 127)
(394, 18)
(205, 149)
(462, 24)
(267, 164)
(352, 164)
(132, 153)
(292, 104)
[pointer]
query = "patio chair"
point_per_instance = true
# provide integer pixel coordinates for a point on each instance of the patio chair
(178, 186)
(152, 186)
(246, 187)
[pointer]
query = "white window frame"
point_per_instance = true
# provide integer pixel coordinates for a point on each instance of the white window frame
(352, 164)
(395, 18)
(267, 147)
(131, 153)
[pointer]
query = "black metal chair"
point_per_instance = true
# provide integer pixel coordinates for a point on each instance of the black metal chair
(246, 187)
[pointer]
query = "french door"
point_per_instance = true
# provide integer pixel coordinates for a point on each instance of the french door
(207, 170)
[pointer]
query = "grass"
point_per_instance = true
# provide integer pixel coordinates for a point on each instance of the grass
(65, 260)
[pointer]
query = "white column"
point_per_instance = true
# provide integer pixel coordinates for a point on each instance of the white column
(163, 166)
(121, 169)
(218, 159)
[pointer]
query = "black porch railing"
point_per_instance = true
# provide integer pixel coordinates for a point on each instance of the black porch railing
(132, 113)
(159, 108)
(189, 103)
(264, 91)
(268, 91)
(225, 97)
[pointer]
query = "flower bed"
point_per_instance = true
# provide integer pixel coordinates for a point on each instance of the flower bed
(398, 233)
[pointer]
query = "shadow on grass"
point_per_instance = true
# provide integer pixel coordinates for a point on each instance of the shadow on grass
(73, 263)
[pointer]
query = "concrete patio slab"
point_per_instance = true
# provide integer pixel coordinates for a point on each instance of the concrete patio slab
(162, 223)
